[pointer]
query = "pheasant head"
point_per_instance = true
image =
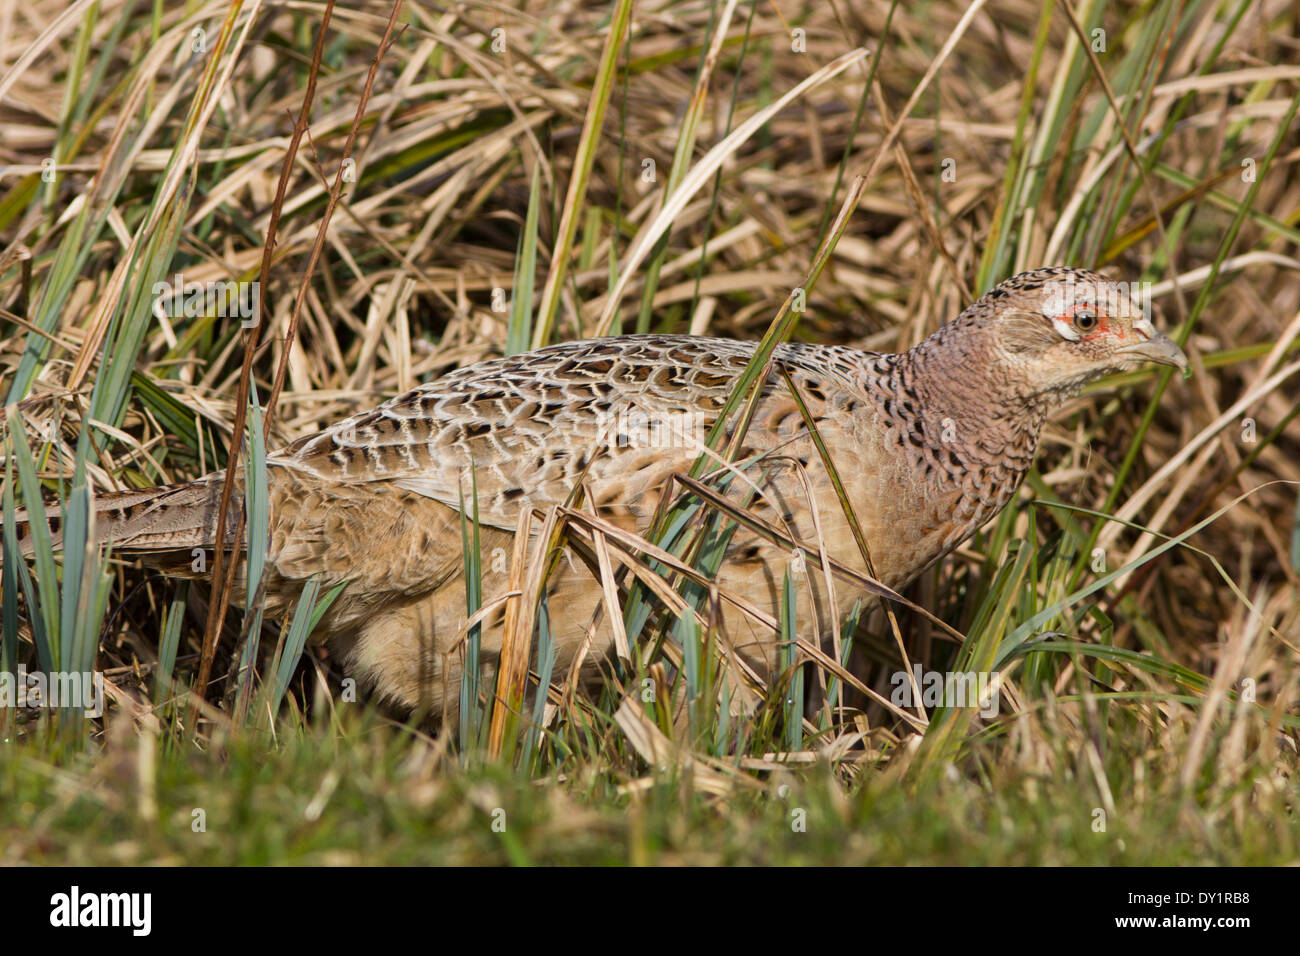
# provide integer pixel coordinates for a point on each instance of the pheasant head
(1045, 334)
(965, 407)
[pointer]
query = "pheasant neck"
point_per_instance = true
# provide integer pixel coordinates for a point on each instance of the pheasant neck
(959, 422)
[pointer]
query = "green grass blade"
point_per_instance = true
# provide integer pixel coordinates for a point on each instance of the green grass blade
(519, 330)
(257, 536)
(585, 157)
(47, 578)
(791, 665)
(170, 643)
(546, 656)
(8, 576)
(296, 639)
(471, 715)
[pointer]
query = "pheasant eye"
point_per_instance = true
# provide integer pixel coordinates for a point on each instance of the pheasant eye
(1085, 320)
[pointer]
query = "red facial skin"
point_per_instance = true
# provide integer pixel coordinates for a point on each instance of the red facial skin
(1103, 320)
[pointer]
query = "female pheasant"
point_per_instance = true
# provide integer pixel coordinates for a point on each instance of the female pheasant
(929, 444)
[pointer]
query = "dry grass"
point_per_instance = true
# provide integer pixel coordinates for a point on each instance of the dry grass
(163, 168)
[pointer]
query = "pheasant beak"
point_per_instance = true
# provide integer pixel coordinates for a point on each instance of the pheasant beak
(1156, 347)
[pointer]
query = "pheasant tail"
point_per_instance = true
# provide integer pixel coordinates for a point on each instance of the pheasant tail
(152, 520)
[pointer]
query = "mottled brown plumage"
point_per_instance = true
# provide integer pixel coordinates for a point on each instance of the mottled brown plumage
(929, 443)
